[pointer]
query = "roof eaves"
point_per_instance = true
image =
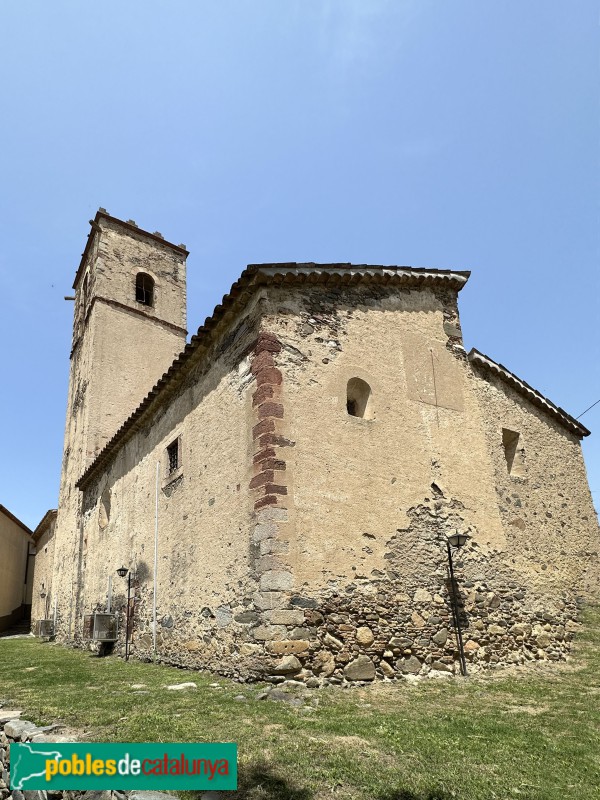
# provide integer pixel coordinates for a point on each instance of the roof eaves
(44, 523)
(348, 271)
(258, 275)
(538, 399)
(200, 339)
(16, 520)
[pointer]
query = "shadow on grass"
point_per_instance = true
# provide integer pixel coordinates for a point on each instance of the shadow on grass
(405, 794)
(260, 781)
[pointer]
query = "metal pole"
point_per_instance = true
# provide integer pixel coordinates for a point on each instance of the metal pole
(127, 619)
(71, 613)
(456, 615)
(155, 577)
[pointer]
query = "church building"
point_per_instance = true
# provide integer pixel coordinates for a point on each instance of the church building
(281, 489)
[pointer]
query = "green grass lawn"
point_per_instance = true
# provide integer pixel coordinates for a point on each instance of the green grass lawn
(533, 734)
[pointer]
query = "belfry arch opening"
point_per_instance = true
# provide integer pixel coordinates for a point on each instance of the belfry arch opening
(359, 399)
(144, 289)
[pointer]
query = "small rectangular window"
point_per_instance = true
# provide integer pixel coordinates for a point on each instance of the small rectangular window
(173, 457)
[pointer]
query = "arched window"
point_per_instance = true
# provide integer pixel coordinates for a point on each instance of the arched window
(359, 399)
(144, 289)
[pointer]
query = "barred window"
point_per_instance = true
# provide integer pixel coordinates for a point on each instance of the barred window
(144, 289)
(173, 456)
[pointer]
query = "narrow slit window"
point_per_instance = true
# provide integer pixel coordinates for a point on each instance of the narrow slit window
(104, 513)
(173, 457)
(359, 399)
(513, 453)
(144, 289)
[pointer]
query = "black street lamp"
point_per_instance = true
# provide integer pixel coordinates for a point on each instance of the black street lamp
(456, 540)
(122, 572)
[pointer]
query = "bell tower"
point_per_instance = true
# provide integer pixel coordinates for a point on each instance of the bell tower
(129, 325)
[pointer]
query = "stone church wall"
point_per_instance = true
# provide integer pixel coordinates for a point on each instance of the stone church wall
(297, 539)
(205, 577)
(356, 544)
(119, 352)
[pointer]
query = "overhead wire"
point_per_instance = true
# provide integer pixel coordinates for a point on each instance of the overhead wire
(588, 409)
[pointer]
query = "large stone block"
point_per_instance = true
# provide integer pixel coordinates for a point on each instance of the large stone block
(275, 580)
(264, 530)
(422, 596)
(268, 563)
(361, 669)
(273, 546)
(287, 665)
(271, 515)
(409, 666)
(19, 729)
(441, 637)
(266, 632)
(364, 636)
(247, 649)
(387, 669)
(269, 600)
(284, 616)
(324, 664)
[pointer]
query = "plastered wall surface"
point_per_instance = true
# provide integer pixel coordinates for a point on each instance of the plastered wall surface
(14, 544)
(355, 480)
(121, 344)
(120, 349)
(205, 580)
(547, 512)
(42, 607)
(372, 500)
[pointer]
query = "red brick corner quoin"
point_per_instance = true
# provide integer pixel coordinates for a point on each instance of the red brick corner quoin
(267, 481)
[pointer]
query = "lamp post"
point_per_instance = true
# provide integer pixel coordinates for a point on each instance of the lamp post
(456, 540)
(122, 572)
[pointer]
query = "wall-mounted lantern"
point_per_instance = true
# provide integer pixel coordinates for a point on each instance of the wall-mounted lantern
(122, 572)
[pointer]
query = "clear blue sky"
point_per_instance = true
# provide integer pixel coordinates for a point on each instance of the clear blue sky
(451, 135)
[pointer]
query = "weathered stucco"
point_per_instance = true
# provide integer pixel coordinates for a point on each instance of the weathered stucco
(15, 577)
(120, 349)
(42, 607)
(330, 433)
(204, 571)
(373, 499)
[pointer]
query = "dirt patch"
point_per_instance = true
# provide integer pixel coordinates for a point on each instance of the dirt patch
(532, 710)
(271, 728)
(352, 741)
